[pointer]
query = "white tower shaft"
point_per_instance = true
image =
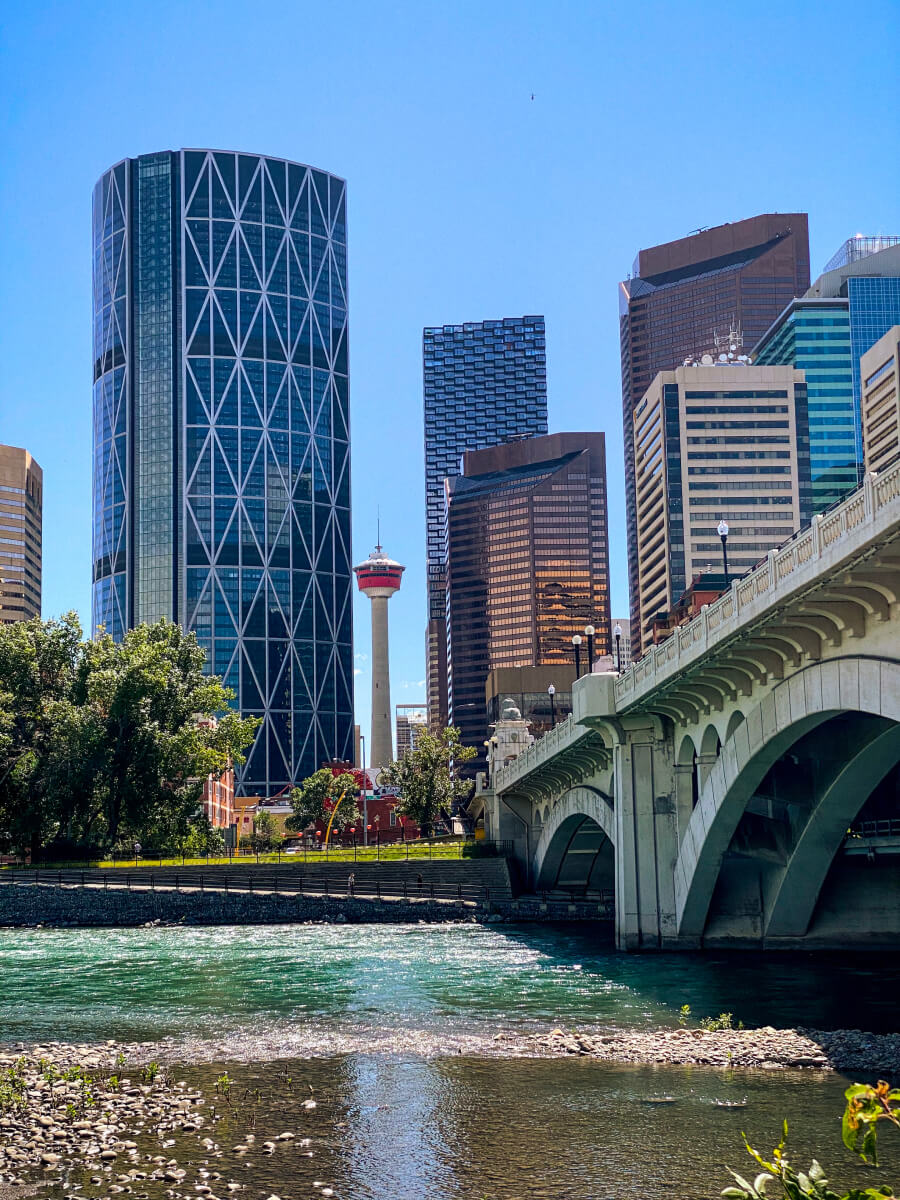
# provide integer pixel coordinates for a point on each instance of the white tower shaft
(382, 737)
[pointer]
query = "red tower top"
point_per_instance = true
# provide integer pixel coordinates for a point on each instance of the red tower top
(378, 575)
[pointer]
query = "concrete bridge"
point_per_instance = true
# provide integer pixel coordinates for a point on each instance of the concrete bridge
(740, 784)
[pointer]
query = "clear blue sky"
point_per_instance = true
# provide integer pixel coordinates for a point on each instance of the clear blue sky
(467, 199)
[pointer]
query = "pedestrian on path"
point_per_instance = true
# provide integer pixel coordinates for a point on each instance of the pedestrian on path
(351, 883)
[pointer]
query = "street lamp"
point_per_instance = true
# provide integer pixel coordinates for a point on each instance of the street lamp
(590, 631)
(551, 692)
(618, 636)
(722, 531)
(362, 738)
(576, 642)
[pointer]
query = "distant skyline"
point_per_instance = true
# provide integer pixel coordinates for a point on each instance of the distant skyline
(468, 200)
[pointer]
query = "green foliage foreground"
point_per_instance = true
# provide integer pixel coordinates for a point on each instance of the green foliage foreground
(866, 1106)
(99, 740)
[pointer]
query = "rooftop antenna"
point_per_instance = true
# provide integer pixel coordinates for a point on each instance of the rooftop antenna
(378, 543)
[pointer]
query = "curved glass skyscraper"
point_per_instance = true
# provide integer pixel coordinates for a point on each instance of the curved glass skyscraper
(221, 434)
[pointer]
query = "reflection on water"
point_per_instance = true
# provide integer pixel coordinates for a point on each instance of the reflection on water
(458, 1129)
(147, 983)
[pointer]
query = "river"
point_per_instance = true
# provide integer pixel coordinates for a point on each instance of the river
(391, 1029)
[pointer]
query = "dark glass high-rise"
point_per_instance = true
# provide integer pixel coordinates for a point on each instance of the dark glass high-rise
(221, 434)
(485, 382)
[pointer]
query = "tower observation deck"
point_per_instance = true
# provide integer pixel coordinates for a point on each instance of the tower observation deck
(379, 578)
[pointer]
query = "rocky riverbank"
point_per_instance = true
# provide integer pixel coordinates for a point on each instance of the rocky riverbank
(78, 1117)
(111, 1118)
(850, 1051)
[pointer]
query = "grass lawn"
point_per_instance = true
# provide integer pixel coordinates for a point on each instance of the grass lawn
(396, 852)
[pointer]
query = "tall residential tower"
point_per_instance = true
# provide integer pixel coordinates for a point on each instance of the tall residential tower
(485, 382)
(221, 434)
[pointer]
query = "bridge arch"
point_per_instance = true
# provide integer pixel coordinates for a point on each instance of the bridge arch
(734, 720)
(771, 730)
(576, 848)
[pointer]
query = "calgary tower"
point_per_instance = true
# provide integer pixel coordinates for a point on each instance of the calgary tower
(379, 578)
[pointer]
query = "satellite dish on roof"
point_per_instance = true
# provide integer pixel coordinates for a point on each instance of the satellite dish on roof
(723, 358)
(706, 360)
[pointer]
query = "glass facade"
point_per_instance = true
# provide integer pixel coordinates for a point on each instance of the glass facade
(527, 565)
(874, 309)
(681, 294)
(221, 446)
(815, 336)
(485, 382)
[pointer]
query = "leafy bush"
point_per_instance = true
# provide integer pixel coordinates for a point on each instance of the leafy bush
(866, 1106)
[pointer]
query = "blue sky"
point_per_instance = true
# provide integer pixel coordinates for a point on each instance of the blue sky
(467, 199)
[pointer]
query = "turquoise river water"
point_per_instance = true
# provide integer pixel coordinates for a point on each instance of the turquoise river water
(391, 1029)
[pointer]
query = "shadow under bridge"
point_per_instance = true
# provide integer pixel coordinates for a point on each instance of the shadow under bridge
(575, 852)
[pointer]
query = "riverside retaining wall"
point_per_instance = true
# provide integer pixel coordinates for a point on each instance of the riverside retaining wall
(30, 905)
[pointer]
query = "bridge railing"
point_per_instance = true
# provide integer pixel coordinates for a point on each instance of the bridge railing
(722, 617)
(552, 741)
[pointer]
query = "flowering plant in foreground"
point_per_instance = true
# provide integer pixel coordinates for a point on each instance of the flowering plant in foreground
(866, 1106)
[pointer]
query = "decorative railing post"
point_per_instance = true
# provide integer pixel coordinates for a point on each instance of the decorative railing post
(868, 495)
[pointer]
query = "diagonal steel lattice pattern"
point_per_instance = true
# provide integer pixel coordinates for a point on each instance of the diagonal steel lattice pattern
(221, 458)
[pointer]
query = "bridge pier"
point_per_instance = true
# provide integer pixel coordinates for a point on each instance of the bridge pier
(646, 808)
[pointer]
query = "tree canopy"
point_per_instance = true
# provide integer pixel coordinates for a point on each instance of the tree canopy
(426, 776)
(315, 799)
(104, 741)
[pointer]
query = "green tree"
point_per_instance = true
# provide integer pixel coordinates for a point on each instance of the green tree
(100, 741)
(202, 838)
(427, 777)
(266, 835)
(38, 794)
(315, 799)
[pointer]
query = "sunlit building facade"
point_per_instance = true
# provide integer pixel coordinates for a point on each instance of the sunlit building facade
(681, 294)
(221, 434)
(485, 382)
(527, 565)
(21, 535)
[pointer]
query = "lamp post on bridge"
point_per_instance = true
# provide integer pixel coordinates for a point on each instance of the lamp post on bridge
(618, 636)
(576, 643)
(590, 631)
(551, 692)
(722, 531)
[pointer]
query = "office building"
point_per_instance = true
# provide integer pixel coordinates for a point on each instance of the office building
(527, 565)
(221, 437)
(411, 722)
(824, 333)
(813, 334)
(681, 294)
(21, 509)
(880, 376)
(715, 442)
(485, 382)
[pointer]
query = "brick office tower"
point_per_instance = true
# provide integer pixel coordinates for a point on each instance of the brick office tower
(681, 293)
(527, 566)
(485, 382)
(379, 578)
(21, 504)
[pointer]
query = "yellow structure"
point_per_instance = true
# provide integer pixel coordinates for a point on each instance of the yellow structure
(880, 375)
(21, 505)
